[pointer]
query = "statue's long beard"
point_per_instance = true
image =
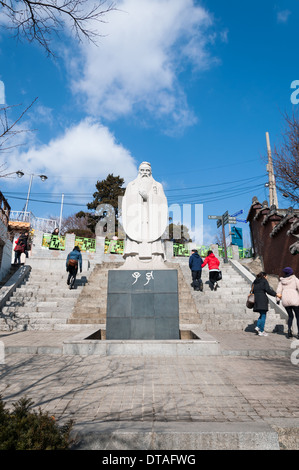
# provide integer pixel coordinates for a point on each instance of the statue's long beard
(145, 183)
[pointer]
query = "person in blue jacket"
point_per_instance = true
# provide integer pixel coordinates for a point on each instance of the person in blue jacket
(195, 263)
(74, 258)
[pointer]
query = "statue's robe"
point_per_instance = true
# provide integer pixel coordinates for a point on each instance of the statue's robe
(144, 220)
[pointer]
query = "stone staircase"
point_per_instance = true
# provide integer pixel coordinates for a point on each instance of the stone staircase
(90, 307)
(45, 302)
(225, 309)
(187, 303)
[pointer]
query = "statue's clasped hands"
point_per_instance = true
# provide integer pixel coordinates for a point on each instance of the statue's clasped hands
(143, 195)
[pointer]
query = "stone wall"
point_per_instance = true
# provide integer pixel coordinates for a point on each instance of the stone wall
(42, 258)
(6, 250)
(274, 236)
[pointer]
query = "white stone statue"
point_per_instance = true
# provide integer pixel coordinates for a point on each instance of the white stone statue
(144, 219)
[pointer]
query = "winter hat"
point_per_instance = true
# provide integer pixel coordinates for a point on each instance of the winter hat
(288, 271)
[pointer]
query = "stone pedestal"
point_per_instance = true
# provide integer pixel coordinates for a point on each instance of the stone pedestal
(142, 305)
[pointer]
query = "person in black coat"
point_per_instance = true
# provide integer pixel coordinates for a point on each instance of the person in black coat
(261, 288)
(195, 263)
(21, 247)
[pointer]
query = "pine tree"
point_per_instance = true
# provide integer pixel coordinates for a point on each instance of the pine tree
(107, 194)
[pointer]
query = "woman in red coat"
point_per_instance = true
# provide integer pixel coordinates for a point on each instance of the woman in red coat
(213, 264)
(21, 245)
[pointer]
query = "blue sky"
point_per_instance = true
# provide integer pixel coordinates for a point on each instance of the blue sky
(190, 86)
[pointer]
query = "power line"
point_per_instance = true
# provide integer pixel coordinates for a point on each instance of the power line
(228, 196)
(219, 184)
(210, 198)
(254, 178)
(204, 197)
(232, 191)
(211, 168)
(46, 202)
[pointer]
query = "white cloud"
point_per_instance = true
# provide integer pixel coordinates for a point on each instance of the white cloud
(209, 235)
(283, 16)
(85, 153)
(136, 66)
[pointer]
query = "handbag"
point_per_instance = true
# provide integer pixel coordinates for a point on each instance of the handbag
(250, 300)
(219, 276)
(20, 248)
(73, 263)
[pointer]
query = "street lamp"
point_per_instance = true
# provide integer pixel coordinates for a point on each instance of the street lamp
(20, 174)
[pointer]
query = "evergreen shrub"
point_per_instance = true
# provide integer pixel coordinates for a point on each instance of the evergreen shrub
(25, 429)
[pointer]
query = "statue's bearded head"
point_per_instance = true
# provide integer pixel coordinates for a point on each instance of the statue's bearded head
(145, 170)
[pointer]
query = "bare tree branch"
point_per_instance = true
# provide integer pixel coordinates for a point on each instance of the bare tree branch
(39, 20)
(286, 160)
(8, 129)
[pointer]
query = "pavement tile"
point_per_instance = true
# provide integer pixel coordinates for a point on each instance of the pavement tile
(225, 388)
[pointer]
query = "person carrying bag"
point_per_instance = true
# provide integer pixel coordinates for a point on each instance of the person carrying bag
(19, 249)
(260, 289)
(74, 259)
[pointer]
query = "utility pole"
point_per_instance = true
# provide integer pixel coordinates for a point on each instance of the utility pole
(272, 185)
(60, 218)
(224, 220)
(28, 194)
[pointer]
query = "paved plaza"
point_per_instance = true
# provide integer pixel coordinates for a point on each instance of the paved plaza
(252, 383)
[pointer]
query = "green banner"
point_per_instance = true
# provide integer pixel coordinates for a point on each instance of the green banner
(53, 242)
(86, 244)
(114, 246)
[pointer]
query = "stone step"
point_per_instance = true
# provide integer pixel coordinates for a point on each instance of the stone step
(84, 321)
(205, 298)
(31, 309)
(27, 311)
(92, 311)
(31, 299)
(45, 282)
(20, 300)
(44, 289)
(43, 276)
(43, 315)
(54, 280)
(53, 326)
(85, 307)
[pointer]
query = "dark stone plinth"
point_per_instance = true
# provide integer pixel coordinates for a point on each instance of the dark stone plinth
(142, 305)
